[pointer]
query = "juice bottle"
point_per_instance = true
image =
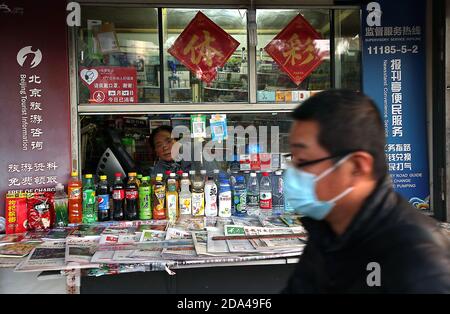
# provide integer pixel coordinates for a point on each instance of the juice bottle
(172, 199)
(89, 201)
(185, 196)
(75, 199)
(159, 199)
(210, 198)
(198, 196)
(145, 207)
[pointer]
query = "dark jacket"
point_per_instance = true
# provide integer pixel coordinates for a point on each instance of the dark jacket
(412, 251)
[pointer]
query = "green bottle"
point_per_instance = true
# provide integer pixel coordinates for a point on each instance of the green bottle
(145, 206)
(89, 210)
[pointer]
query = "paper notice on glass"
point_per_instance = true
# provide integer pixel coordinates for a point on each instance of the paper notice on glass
(216, 246)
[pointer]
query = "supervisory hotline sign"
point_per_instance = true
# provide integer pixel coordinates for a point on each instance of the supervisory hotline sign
(394, 76)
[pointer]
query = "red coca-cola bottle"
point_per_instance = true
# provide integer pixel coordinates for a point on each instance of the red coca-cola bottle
(118, 193)
(131, 198)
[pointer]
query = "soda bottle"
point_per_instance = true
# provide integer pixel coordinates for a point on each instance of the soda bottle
(104, 212)
(265, 195)
(159, 199)
(240, 196)
(198, 196)
(278, 194)
(211, 209)
(145, 207)
(131, 198)
(118, 194)
(253, 195)
(75, 199)
(172, 198)
(185, 196)
(61, 206)
(224, 197)
(89, 201)
(233, 176)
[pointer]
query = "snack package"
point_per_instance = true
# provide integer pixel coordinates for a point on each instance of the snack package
(41, 211)
(16, 213)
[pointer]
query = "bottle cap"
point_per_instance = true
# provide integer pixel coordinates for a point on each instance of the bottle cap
(252, 174)
(278, 172)
(158, 178)
(88, 176)
(216, 171)
(103, 177)
(139, 176)
(180, 172)
(203, 172)
(145, 178)
(185, 175)
(159, 175)
(74, 174)
(59, 186)
(240, 179)
(167, 172)
(265, 174)
(118, 174)
(172, 175)
(131, 174)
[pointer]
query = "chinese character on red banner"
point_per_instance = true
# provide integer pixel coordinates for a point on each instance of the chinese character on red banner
(203, 47)
(297, 49)
(111, 85)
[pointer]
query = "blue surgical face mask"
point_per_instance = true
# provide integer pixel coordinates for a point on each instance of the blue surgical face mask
(300, 191)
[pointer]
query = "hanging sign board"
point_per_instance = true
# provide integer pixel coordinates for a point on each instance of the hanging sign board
(203, 47)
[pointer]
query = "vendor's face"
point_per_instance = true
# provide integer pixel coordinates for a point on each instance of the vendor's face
(163, 145)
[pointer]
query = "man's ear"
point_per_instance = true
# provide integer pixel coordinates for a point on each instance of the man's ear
(362, 163)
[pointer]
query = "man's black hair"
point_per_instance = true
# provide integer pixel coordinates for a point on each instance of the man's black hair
(162, 128)
(348, 121)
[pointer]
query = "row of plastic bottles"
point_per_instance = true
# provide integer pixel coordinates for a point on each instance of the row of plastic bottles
(169, 196)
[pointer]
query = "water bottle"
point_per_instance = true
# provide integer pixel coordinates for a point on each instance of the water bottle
(211, 209)
(278, 195)
(265, 195)
(224, 197)
(240, 197)
(61, 207)
(253, 195)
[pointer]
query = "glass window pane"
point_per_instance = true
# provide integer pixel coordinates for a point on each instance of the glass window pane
(348, 49)
(127, 140)
(231, 82)
(271, 80)
(118, 48)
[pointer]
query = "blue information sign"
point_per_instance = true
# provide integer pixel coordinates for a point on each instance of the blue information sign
(393, 63)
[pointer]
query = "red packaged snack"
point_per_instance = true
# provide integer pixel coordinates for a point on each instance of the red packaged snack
(16, 213)
(40, 211)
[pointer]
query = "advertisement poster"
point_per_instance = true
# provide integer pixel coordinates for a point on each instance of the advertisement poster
(203, 47)
(34, 97)
(110, 85)
(394, 76)
(298, 49)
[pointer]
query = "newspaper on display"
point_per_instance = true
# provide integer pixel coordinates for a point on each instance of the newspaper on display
(116, 247)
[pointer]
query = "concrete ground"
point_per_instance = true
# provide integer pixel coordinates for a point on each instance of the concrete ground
(29, 283)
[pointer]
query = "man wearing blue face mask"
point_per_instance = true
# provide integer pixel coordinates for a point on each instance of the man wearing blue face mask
(363, 236)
